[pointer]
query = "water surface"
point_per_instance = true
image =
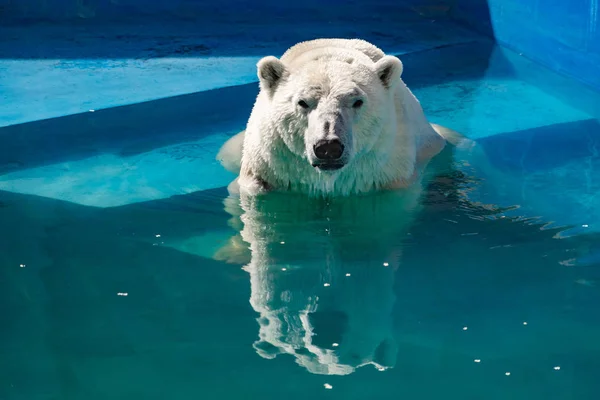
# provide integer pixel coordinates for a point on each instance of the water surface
(149, 282)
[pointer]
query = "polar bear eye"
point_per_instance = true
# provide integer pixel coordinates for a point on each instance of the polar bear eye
(357, 104)
(303, 104)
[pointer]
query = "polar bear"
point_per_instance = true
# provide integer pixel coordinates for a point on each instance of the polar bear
(332, 117)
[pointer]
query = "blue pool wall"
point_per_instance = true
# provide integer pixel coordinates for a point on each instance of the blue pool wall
(126, 101)
(562, 35)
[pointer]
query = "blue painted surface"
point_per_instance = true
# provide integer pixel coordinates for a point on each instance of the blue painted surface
(128, 199)
(562, 35)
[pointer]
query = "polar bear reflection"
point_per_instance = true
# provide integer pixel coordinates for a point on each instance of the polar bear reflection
(322, 274)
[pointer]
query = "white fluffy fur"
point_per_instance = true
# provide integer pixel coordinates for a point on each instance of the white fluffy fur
(387, 140)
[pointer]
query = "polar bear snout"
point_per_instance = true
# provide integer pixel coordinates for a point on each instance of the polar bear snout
(328, 154)
(327, 140)
(329, 150)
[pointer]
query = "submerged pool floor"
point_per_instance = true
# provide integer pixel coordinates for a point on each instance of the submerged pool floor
(110, 219)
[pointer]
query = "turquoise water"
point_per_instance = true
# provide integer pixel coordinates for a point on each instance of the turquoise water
(126, 271)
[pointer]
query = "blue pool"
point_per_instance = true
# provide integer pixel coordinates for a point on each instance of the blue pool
(127, 272)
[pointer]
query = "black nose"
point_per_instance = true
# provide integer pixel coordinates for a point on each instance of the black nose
(329, 149)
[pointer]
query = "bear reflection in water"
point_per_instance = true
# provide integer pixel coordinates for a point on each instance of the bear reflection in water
(322, 273)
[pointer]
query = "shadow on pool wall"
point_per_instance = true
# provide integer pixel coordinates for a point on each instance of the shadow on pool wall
(562, 35)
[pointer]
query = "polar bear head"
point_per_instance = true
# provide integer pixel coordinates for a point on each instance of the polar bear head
(329, 105)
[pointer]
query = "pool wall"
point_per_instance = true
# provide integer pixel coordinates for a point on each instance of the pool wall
(562, 35)
(115, 102)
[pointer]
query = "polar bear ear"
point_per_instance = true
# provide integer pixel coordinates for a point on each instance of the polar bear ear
(270, 73)
(389, 69)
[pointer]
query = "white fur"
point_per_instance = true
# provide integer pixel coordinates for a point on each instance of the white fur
(386, 140)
